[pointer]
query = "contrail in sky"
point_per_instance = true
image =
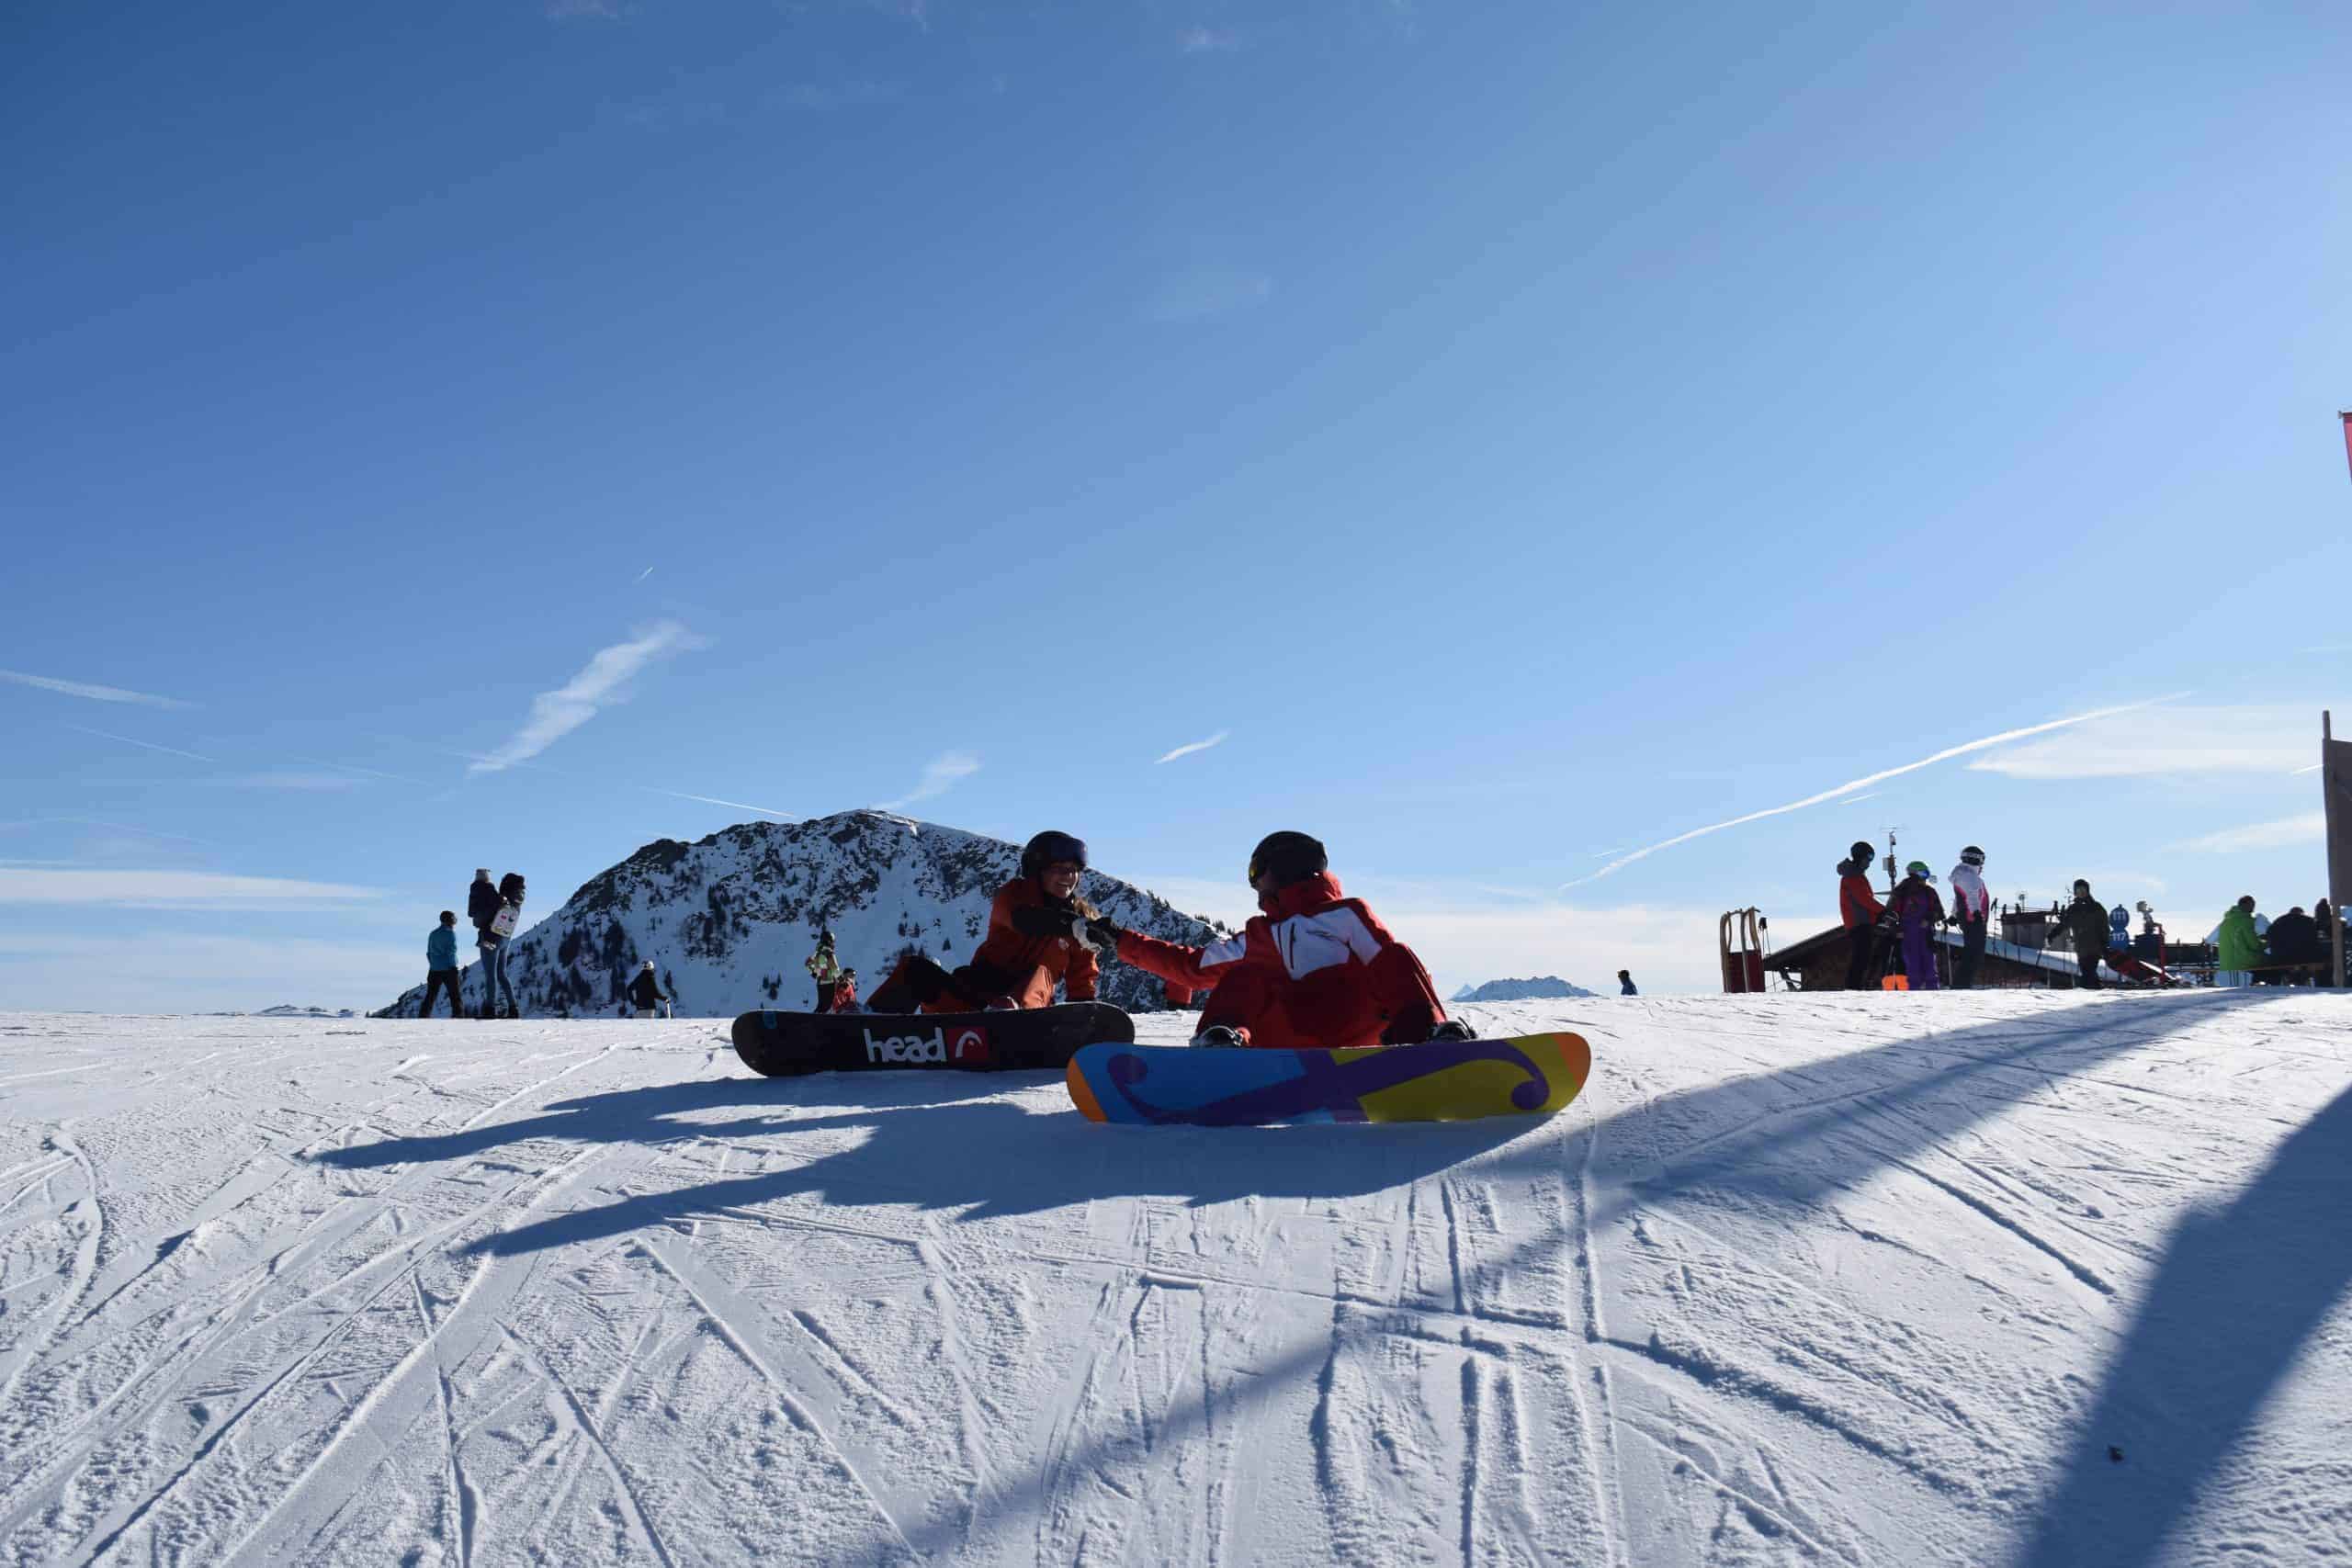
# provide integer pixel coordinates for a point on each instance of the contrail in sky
(714, 800)
(1851, 786)
(129, 741)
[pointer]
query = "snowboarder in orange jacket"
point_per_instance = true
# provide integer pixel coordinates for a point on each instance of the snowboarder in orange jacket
(1036, 940)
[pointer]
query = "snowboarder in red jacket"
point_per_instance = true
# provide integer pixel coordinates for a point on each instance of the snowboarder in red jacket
(1316, 970)
(1860, 912)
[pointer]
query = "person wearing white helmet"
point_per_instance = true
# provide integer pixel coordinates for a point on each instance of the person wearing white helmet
(1914, 903)
(645, 993)
(1972, 911)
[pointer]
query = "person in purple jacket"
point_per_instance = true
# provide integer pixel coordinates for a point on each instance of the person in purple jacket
(1921, 911)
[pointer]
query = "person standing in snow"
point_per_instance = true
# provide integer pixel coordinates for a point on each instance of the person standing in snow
(482, 904)
(441, 966)
(825, 969)
(2237, 946)
(1859, 911)
(496, 932)
(1972, 911)
(1625, 984)
(645, 992)
(1036, 940)
(1914, 903)
(1315, 970)
(2085, 923)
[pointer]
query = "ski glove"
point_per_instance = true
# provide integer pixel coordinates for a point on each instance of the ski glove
(1103, 935)
(1038, 921)
(1452, 1029)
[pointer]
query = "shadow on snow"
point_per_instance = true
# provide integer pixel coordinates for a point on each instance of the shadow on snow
(2256, 1277)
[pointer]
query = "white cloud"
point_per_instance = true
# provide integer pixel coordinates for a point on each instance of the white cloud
(102, 822)
(941, 774)
(556, 713)
(96, 693)
(1204, 293)
(1851, 786)
(172, 890)
(1209, 40)
(2308, 828)
(1191, 747)
(128, 741)
(824, 97)
(179, 971)
(2168, 740)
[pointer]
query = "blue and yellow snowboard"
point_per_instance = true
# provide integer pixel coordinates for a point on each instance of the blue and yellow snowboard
(1452, 1080)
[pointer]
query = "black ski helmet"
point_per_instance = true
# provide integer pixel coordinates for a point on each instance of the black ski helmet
(1049, 847)
(1971, 855)
(2082, 886)
(1862, 851)
(1289, 857)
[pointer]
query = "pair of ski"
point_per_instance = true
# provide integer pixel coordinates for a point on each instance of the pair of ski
(1110, 1079)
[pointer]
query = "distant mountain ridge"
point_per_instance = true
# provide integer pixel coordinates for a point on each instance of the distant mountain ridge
(1540, 987)
(729, 921)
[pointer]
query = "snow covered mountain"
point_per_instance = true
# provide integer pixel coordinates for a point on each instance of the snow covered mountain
(729, 921)
(1542, 988)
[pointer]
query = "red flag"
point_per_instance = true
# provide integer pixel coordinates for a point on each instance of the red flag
(2346, 418)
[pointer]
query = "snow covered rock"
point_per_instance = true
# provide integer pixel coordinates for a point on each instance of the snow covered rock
(729, 921)
(1542, 988)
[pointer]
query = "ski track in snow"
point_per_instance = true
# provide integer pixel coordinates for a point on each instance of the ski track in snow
(1831, 1280)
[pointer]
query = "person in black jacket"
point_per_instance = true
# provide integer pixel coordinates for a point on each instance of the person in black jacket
(505, 913)
(645, 992)
(2085, 921)
(2294, 939)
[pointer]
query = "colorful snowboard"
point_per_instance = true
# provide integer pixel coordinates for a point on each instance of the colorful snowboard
(780, 1044)
(1535, 1075)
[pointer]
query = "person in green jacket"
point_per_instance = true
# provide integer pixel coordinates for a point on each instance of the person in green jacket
(2238, 948)
(825, 969)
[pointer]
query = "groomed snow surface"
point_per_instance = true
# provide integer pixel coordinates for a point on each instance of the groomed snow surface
(2050, 1279)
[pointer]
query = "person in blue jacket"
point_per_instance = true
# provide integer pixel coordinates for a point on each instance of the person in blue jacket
(1625, 984)
(441, 966)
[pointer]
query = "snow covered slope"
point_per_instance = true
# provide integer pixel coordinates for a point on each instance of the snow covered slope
(1542, 987)
(2050, 1280)
(729, 921)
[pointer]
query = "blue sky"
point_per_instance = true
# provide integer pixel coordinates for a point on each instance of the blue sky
(1524, 432)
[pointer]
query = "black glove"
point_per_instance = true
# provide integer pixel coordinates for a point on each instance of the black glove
(1039, 919)
(1103, 935)
(1453, 1028)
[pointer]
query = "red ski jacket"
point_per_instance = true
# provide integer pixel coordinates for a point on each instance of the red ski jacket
(1007, 957)
(1315, 971)
(1857, 905)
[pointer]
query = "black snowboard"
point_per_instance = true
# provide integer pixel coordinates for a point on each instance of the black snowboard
(780, 1044)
